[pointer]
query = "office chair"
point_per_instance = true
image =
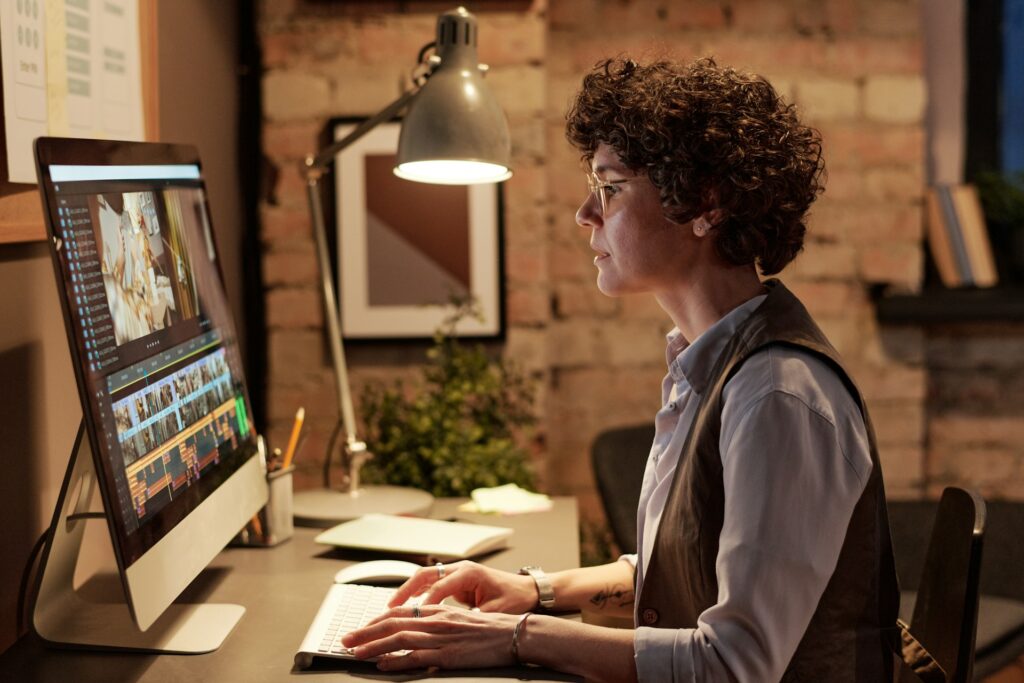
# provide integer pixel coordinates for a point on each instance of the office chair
(945, 616)
(1000, 635)
(618, 457)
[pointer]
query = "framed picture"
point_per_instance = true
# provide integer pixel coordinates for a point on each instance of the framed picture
(406, 249)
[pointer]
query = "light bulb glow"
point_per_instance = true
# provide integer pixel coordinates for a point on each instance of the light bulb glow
(453, 172)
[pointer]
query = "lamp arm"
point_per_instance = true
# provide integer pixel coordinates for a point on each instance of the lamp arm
(313, 167)
(322, 159)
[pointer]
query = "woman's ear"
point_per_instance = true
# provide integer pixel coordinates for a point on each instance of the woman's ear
(714, 216)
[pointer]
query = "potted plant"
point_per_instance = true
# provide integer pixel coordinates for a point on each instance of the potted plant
(462, 430)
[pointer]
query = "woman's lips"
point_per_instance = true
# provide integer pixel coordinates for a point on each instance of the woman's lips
(600, 256)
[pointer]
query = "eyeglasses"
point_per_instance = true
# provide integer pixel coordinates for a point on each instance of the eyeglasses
(603, 188)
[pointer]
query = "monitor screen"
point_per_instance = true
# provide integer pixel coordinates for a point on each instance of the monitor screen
(155, 350)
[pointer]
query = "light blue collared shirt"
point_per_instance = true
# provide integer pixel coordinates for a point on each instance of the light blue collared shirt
(795, 460)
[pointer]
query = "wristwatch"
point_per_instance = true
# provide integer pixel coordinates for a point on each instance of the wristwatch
(544, 590)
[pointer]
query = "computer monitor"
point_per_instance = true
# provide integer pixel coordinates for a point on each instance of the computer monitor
(167, 433)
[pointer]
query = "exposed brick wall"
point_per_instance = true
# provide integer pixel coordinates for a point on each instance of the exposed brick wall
(855, 71)
(975, 401)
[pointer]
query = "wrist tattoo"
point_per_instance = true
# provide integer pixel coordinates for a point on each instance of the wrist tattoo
(616, 595)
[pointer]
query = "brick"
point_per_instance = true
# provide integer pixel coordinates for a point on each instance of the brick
(296, 355)
(891, 18)
(898, 264)
(779, 54)
(899, 423)
(900, 344)
(511, 39)
(828, 298)
(526, 265)
(895, 99)
(290, 188)
(999, 350)
(890, 382)
(290, 142)
(903, 468)
(754, 16)
(528, 348)
(839, 17)
(518, 89)
(994, 472)
(976, 430)
(295, 268)
(866, 225)
(828, 99)
(527, 306)
(358, 90)
(528, 144)
(572, 344)
(844, 332)
(894, 183)
(289, 95)
(393, 39)
(696, 15)
(294, 308)
(866, 144)
(843, 184)
(824, 261)
(284, 224)
(866, 57)
(570, 261)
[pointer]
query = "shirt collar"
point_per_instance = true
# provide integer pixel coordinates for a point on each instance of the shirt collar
(692, 362)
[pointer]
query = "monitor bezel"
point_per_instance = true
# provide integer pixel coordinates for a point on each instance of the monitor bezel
(128, 548)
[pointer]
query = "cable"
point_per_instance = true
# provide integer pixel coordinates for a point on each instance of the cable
(23, 590)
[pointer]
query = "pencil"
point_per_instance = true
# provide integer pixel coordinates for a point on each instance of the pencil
(300, 415)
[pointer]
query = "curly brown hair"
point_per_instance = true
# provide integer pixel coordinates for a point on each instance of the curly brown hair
(708, 137)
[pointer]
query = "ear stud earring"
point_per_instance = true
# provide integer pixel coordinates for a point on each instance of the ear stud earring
(701, 227)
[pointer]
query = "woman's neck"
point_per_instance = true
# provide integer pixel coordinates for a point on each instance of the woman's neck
(708, 296)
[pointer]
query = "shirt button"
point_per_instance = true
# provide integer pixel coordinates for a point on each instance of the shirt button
(649, 616)
(672, 405)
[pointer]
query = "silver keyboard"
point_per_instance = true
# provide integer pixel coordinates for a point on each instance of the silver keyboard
(346, 607)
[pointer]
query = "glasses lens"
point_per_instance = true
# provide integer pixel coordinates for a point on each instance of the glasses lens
(596, 186)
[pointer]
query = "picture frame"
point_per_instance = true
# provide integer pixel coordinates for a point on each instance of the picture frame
(404, 249)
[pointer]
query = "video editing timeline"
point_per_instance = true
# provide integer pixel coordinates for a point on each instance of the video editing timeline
(174, 413)
(89, 299)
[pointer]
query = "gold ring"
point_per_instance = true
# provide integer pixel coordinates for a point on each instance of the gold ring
(440, 570)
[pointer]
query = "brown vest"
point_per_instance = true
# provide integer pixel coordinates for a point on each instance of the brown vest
(852, 633)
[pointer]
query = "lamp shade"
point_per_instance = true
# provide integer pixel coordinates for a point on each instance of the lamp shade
(455, 133)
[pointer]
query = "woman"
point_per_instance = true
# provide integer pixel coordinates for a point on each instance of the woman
(763, 544)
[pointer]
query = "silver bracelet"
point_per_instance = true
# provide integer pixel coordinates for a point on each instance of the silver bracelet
(515, 635)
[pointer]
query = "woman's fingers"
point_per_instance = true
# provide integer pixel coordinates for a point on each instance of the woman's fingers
(417, 641)
(422, 580)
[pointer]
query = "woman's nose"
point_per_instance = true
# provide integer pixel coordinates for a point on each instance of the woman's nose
(589, 213)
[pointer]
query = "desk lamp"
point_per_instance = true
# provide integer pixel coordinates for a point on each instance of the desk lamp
(454, 133)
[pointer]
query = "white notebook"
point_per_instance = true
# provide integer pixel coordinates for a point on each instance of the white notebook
(436, 539)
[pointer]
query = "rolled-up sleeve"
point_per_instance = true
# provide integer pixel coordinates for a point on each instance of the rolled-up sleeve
(791, 480)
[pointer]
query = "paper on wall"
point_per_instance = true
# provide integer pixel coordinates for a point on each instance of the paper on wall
(71, 68)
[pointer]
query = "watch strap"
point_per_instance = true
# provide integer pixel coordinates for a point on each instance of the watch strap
(545, 591)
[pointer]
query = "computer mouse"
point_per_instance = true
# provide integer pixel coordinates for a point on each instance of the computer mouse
(377, 571)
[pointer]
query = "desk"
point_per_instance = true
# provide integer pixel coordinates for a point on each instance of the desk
(281, 589)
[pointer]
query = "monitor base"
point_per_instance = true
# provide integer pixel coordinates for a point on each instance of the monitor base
(181, 629)
(324, 508)
(63, 618)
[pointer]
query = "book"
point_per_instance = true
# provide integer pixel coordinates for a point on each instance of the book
(958, 237)
(438, 540)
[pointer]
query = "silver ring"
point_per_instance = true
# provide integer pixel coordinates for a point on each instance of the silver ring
(440, 570)
(415, 611)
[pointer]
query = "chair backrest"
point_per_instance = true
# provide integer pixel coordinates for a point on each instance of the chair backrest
(618, 457)
(945, 617)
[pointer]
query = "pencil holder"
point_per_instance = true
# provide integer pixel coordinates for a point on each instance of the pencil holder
(273, 523)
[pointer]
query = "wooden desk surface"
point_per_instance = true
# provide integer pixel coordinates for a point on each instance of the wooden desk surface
(281, 589)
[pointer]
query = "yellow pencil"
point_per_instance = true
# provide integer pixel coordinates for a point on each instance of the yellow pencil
(300, 415)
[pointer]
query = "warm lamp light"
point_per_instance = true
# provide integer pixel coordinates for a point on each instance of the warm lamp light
(454, 133)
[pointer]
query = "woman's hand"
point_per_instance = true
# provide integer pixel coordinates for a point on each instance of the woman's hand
(472, 584)
(435, 636)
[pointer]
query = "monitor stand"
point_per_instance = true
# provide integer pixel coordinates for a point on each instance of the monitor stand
(63, 618)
